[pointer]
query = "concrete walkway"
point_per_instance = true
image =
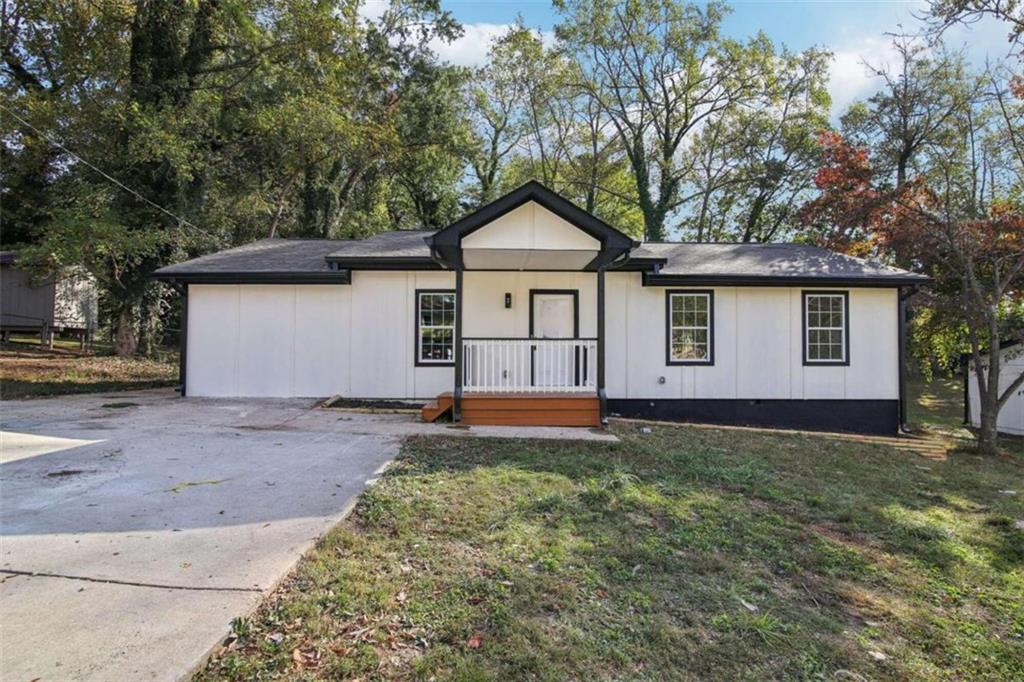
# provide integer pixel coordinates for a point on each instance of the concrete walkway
(136, 526)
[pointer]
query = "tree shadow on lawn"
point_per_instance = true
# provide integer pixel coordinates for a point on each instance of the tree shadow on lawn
(15, 389)
(680, 553)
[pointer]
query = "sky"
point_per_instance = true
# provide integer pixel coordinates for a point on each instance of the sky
(854, 30)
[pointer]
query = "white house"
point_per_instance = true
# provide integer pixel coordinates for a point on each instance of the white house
(1011, 417)
(531, 310)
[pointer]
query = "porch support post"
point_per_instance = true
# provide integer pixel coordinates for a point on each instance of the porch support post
(601, 396)
(457, 395)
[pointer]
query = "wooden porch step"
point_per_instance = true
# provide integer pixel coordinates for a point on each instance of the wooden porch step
(519, 409)
(537, 409)
(531, 417)
(433, 410)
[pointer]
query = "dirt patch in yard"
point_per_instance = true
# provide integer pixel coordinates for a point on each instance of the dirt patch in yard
(30, 372)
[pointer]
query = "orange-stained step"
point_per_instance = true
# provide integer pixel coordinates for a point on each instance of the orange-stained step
(434, 409)
(523, 409)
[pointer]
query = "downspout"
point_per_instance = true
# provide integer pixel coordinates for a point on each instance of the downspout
(602, 397)
(902, 331)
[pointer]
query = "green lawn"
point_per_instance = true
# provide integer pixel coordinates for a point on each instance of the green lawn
(684, 553)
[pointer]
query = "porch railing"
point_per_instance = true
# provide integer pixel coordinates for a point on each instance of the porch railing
(494, 365)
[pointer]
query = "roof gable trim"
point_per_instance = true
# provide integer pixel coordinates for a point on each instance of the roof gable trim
(450, 237)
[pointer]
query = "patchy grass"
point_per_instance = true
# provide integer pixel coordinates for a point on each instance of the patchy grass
(939, 405)
(939, 409)
(28, 370)
(683, 553)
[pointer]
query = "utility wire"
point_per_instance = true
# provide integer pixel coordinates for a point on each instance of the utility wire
(112, 179)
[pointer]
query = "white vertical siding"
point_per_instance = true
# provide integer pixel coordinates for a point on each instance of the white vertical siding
(359, 340)
(212, 340)
(312, 340)
(266, 340)
(762, 343)
(758, 334)
(322, 340)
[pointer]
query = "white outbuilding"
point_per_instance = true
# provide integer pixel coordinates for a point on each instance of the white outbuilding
(1011, 417)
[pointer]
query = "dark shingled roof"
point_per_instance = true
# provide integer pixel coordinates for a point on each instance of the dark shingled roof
(682, 261)
(394, 244)
(265, 255)
(765, 261)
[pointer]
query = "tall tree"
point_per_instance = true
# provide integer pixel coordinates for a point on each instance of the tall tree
(659, 70)
(943, 14)
(915, 110)
(961, 221)
(215, 127)
(499, 101)
(752, 165)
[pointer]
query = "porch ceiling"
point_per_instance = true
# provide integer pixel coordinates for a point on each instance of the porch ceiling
(527, 259)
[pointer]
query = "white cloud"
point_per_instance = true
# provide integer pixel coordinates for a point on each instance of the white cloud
(371, 10)
(471, 49)
(849, 77)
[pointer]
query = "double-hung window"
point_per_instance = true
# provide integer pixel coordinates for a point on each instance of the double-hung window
(435, 327)
(826, 328)
(690, 330)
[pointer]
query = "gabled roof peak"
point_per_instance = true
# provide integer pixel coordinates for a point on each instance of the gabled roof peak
(446, 244)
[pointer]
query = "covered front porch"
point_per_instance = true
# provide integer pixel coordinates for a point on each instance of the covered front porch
(529, 312)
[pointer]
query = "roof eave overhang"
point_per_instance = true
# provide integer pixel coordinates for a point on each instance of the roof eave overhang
(664, 280)
(257, 277)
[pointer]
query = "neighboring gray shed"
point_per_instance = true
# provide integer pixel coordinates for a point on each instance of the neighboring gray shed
(61, 303)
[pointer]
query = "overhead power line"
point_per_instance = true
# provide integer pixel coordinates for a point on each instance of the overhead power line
(106, 175)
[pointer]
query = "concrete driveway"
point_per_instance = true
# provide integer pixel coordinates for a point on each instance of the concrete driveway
(135, 526)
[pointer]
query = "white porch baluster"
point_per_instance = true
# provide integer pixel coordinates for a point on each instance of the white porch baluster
(529, 365)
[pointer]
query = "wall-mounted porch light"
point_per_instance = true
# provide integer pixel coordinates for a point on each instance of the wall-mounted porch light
(508, 300)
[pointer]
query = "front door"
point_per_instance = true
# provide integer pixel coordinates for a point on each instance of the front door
(554, 315)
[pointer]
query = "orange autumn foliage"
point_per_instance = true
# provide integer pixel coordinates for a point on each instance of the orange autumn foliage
(854, 215)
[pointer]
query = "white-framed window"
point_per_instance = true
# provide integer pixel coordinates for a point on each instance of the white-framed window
(690, 328)
(826, 328)
(435, 327)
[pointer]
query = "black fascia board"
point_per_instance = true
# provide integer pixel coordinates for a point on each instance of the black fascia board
(875, 281)
(384, 263)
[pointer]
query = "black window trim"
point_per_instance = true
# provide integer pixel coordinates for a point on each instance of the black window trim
(418, 362)
(845, 362)
(710, 361)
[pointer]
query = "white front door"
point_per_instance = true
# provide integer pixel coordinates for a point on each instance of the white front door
(554, 317)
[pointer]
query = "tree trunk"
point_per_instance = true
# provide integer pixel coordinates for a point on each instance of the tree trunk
(125, 338)
(988, 434)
